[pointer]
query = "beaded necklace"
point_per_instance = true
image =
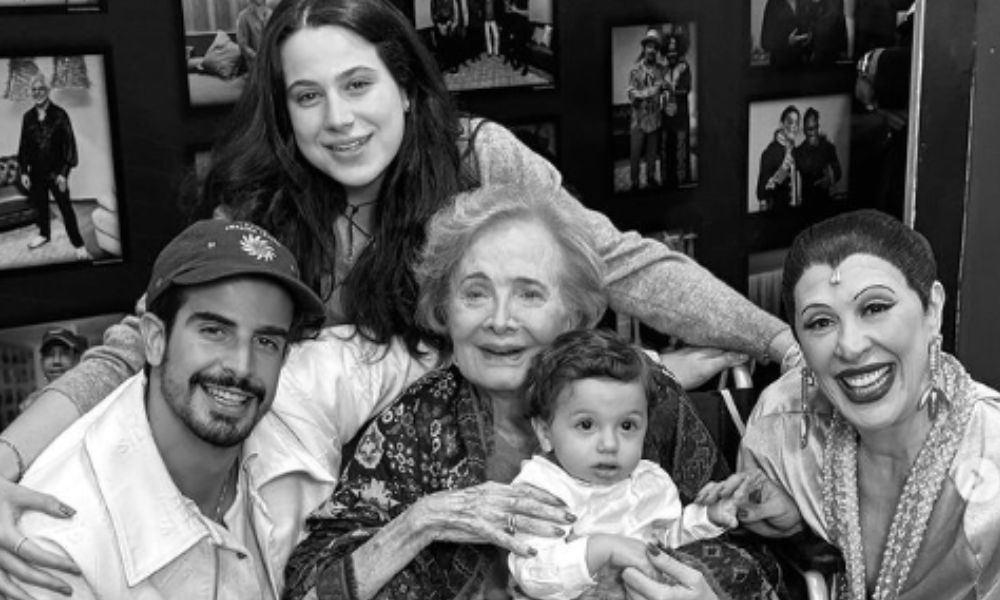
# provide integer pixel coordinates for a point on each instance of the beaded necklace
(920, 491)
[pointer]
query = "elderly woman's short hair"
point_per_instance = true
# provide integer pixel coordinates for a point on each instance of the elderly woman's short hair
(454, 228)
(866, 231)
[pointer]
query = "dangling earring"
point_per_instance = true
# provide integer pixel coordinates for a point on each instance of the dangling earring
(934, 396)
(808, 381)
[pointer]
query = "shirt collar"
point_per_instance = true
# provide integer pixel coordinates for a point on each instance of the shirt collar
(153, 522)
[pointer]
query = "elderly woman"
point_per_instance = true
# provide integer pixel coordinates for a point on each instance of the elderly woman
(424, 508)
(884, 442)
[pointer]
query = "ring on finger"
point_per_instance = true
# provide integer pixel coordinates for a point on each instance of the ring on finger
(20, 542)
(511, 527)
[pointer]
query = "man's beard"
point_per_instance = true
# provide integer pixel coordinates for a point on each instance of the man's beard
(219, 430)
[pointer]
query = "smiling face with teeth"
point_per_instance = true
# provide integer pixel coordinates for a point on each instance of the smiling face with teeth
(506, 304)
(346, 110)
(866, 338)
(214, 372)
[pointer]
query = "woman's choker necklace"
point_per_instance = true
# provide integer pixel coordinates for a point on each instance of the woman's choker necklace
(350, 212)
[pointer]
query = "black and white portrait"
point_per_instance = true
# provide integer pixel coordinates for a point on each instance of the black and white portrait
(799, 153)
(789, 34)
(485, 44)
(654, 107)
(31, 356)
(221, 39)
(58, 198)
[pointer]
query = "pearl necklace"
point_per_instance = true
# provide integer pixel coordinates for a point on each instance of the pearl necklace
(920, 491)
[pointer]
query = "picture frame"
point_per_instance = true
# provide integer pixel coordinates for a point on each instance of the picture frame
(22, 367)
(806, 35)
(790, 172)
(519, 49)
(77, 181)
(216, 57)
(53, 6)
(654, 134)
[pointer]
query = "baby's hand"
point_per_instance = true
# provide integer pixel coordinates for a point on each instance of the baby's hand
(618, 552)
(723, 498)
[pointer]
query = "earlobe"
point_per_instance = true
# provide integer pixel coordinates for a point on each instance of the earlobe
(542, 433)
(154, 340)
(935, 303)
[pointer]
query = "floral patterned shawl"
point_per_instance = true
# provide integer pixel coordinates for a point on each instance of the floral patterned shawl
(438, 437)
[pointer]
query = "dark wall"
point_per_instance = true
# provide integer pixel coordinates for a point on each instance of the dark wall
(942, 160)
(716, 208)
(155, 130)
(978, 326)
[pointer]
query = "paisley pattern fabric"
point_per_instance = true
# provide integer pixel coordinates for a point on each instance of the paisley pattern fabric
(438, 437)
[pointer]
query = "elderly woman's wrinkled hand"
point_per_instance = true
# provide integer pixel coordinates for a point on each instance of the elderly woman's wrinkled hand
(19, 555)
(493, 513)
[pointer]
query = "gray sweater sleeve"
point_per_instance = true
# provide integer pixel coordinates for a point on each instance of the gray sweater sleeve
(665, 289)
(103, 368)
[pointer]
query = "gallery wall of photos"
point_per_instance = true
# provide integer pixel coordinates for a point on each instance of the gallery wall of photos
(147, 86)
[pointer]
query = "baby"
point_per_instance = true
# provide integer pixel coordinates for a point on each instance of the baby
(588, 398)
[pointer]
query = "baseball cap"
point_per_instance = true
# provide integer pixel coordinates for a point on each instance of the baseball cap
(214, 249)
(61, 335)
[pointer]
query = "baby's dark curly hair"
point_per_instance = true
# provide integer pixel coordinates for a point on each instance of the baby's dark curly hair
(583, 354)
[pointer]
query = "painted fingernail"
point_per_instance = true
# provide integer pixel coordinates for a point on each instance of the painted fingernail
(756, 496)
(559, 531)
(652, 549)
(532, 552)
(66, 590)
(66, 510)
(571, 517)
(741, 513)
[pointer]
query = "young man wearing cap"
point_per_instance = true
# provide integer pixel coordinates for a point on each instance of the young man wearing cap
(187, 482)
(60, 351)
(645, 84)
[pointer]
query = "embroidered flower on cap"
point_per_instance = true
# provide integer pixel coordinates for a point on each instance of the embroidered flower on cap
(257, 247)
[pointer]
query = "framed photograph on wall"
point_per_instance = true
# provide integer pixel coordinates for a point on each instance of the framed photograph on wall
(221, 38)
(654, 106)
(488, 44)
(541, 135)
(803, 34)
(799, 153)
(33, 355)
(53, 6)
(59, 198)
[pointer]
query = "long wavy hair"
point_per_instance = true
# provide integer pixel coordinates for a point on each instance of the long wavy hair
(260, 175)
